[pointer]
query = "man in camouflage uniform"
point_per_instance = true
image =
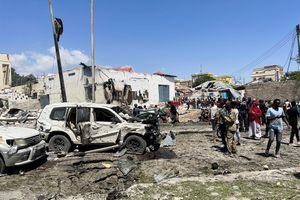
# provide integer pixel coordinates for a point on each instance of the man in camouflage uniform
(228, 128)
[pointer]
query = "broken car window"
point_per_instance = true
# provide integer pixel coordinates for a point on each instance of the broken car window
(103, 115)
(83, 114)
(58, 114)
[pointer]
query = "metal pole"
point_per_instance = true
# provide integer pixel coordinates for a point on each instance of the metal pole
(60, 72)
(298, 40)
(93, 51)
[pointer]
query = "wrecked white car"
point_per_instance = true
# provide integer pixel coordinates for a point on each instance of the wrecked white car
(19, 146)
(64, 125)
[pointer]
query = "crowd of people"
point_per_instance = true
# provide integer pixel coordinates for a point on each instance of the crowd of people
(230, 118)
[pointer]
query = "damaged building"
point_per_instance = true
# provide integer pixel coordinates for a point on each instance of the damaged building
(215, 89)
(112, 85)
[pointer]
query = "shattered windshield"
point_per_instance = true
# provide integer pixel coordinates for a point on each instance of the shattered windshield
(119, 110)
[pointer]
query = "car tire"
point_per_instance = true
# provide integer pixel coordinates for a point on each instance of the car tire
(58, 143)
(135, 144)
(2, 166)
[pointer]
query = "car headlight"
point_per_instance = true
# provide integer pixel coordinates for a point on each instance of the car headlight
(12, 150)
(13, 147)
(20, 143)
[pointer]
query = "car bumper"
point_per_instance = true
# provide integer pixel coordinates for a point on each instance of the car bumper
(25, 156)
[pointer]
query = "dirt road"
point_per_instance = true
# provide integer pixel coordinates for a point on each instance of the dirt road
(180, 172)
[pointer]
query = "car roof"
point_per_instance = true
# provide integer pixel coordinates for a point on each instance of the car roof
(84, 104)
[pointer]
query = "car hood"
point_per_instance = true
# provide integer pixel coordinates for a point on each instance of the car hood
(17, 132)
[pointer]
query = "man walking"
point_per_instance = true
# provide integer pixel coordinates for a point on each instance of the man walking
(275, 115)
(293, 115)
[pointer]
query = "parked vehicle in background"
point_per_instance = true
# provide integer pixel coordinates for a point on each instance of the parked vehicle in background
(19, 146)
(66, 124)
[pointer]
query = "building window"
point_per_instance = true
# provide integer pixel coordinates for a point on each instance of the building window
(164, 93)
(72, 74)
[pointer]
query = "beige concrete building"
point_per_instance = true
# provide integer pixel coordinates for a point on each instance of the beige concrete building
(267, 73)
(5, 71)
(225, 79)
(183, 83)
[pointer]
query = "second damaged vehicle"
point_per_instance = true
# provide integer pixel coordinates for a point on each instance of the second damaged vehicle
(19, 146)
(64, 125)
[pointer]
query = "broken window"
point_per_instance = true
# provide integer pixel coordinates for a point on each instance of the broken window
(58, 114)
(103, 115)
(83, 114)
(87, 71)
(72, 74)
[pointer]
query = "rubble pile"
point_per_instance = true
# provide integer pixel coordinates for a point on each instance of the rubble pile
(99, 174)
(214, 89)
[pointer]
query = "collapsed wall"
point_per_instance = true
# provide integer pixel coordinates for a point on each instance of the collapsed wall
(272, 90)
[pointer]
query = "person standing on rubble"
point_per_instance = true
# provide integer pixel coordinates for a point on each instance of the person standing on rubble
(268, 105)
(174, 114)
(237, 135)
(293, 114)
(243, 115)
(263, 109)
(136, 110)
(276, 116)
(229, 118)
(213, 111)
(255, 121)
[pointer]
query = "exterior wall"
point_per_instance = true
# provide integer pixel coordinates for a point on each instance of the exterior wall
(272, 90)
(75, 81)
(274, 73)
(5, 71)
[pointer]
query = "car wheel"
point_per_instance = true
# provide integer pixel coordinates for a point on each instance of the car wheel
(2, 166)
(59, 143)
(135, 144)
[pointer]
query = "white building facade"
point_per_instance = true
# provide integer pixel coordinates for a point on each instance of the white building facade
(112, 85)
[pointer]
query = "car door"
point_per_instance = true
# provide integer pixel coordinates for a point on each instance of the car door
(104, 126)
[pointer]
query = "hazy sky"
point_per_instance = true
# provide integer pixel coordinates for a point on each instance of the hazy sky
(174, 36)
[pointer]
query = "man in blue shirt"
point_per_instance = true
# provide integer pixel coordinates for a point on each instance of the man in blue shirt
(276, 116)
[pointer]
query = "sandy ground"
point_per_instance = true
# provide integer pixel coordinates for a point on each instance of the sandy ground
(185, 171)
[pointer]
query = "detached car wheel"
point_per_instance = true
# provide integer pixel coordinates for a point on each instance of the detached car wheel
(2, 166)
(59, 143)
(135, 144)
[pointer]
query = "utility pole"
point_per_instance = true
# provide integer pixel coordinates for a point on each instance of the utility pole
(92, 51)
(60, 72)
(298, 41)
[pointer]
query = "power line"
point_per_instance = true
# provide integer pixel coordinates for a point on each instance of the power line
(289, 58)
(269, 52)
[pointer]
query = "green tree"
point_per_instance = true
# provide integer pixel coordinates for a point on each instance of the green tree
(202, 79)
(17, 79)
(294, 75)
